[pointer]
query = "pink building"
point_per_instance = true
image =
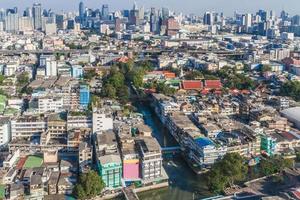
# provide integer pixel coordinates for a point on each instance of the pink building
(131, 169)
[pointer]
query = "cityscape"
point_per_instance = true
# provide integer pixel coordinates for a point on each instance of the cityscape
(149, 103)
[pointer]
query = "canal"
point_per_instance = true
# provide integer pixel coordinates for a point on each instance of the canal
(184, 184)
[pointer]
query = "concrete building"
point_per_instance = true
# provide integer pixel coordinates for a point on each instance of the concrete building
(51, 67)
(12, 23)
(25, 24)
(5, 132)
(101, 121)
(10, 69)
(108, 159)
(131, 162)
(110, 167)
(150, 158)
(50, 28)
(77, 71)
(50, 104)
(27, 126)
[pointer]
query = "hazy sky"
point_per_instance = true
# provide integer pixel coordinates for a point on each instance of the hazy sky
(185, 6)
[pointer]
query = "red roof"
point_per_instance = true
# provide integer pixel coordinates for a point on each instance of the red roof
(213, 84)
(123, 59)
(192, 85)
(20, 163)
(169, 74)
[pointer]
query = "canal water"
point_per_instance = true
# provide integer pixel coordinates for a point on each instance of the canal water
(184, 184)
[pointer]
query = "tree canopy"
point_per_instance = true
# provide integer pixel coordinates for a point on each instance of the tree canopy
(88, 186)
(229, 170)
(291, 89)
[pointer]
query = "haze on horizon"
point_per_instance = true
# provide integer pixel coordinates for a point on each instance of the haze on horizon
(197, 7)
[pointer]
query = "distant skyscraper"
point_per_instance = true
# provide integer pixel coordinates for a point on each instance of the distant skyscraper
(2, 14)
(165, 13)
(37, 16)
(247, 20)
(81, 12)
(60, 22)
(27, 12)
(105, 12)
(296, 20)
(208, 18)
(264, 15)
(154, 26)
(12, 22)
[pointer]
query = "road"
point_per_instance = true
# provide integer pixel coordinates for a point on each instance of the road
(150, 51)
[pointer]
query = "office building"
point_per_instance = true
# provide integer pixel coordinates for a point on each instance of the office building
(105, 12)
(51, 67)
(25, 24)
(12, 22)
(37, 16)
(81, 12)
(208, 18)
(50, 28)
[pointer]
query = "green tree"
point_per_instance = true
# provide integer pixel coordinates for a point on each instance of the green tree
(165, 89)
(2, 78)
(23, 79)
(194, 75)
(136, 77)
(275, 164)
(226, 172)
(90, 74)
(116, 79)
(109, 91)
(123, 94)
(291, 89)
(88, 186)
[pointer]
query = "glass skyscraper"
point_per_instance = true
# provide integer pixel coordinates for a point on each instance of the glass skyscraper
(37, 16)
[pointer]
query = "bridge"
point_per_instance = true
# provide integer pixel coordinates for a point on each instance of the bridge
(170, 150)
(129, 194)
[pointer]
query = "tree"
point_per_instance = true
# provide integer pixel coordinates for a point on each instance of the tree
(165, 89)
(88, 186)
(193, 75)
(229, 170)
(274, 165)
(291, 89)
(123, 94)
(136, 77)
(2, 78)
(88, 75)
(23, 79)
(116, 79)
(109, 91)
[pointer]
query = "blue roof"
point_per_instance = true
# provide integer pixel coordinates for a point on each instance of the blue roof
(202, 142)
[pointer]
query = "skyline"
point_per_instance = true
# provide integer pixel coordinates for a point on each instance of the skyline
(197, 7)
